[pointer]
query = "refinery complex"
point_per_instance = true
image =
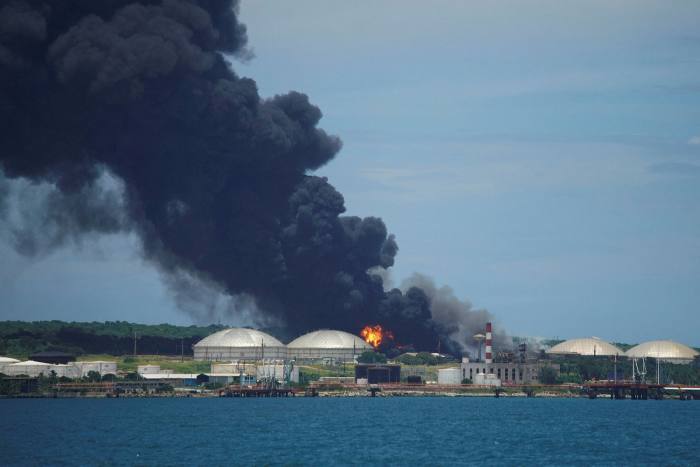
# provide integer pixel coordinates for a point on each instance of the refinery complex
(242, 361)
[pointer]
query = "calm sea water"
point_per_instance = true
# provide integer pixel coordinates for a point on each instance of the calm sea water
(358, 431)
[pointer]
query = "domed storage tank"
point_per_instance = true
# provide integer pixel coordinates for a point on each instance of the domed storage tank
(588, 346)
(239, 344)
(328, 346)
(668, 351)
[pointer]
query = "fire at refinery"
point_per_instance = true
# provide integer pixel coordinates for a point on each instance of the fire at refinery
(375, 335)
(250, 225)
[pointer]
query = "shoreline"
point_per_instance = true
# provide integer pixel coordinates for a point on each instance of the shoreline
(324, 394)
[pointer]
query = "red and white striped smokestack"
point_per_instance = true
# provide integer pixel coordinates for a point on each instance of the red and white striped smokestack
(489, 352)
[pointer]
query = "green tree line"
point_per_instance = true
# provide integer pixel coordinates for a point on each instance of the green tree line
(22, 338)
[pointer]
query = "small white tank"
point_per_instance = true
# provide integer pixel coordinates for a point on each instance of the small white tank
(450, 376)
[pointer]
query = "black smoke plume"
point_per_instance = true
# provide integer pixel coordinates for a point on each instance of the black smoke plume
(214, 178)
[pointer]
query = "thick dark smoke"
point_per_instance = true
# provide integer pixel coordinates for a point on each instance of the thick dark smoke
(214, 178)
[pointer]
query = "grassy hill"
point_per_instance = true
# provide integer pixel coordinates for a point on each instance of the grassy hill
(22, 338)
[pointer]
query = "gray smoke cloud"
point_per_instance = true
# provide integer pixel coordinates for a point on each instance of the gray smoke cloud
(207, 302)
(38, 217)
(461, 320)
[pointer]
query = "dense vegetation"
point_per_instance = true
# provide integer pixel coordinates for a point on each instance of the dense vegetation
(370, 356)
(424, 358)
(21, 338)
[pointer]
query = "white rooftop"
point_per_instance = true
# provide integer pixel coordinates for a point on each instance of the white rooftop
(329, 339)
(592, 346)
(239, 337)
(30, 363)
(663, 349)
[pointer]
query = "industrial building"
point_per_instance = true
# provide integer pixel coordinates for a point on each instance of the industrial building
(664, 350)
(239, 344)
(516, 370)
(377, 373)
(327, 346)
(507, 372)
(587, 346)
(487, 379)
(173, 379)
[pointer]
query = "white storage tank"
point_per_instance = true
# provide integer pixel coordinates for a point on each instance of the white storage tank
(586, 346)
(66, 371)
(4, 361)
(664, 350)
(327, 346)
(103, 368)
(239, 344)
(450, 376)
(30, 368)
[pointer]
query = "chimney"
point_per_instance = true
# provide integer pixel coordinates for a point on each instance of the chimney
(489, 352)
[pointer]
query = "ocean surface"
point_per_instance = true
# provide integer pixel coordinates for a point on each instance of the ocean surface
(349, 431)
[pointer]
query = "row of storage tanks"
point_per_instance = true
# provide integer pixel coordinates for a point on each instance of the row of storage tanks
(14, 367)
(236, 344)
(664, 350)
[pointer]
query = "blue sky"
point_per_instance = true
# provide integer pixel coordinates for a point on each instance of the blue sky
(541, 158)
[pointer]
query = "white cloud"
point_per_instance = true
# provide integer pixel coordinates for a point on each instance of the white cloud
(695, 140)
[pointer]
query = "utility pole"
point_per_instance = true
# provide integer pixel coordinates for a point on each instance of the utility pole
(182, 349)
(134, 343)
(658, 366)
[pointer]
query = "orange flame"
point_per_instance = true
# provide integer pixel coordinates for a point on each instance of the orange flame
(375, 335)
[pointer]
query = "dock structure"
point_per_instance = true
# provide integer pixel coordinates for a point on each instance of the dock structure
(236, 391)
(684, 392)
(110, 389)
(620, 389)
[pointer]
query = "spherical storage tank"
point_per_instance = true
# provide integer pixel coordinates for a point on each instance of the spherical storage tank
(327, 345)
(239, 344)
(669, 351)
(588, 346)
